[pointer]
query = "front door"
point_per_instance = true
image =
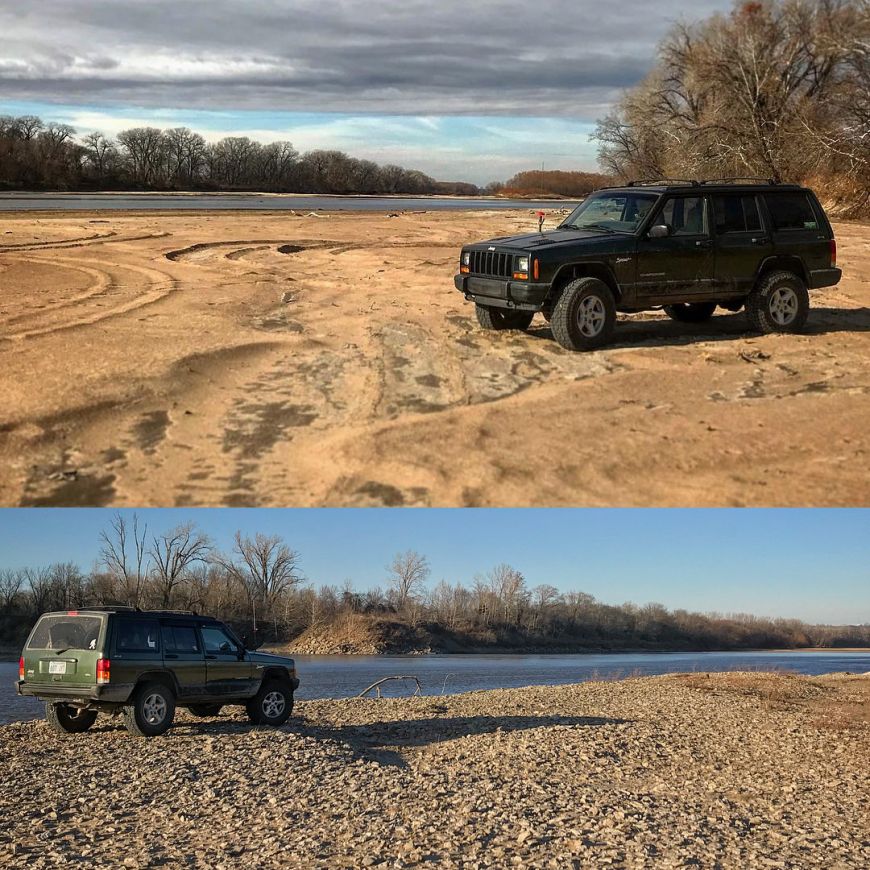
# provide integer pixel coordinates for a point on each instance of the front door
(228, 669)
(682, 262)
(182, 653)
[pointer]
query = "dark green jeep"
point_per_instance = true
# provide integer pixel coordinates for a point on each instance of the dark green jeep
(685, 246)
(143, 664)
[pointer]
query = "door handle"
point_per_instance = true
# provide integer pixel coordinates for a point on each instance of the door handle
(170, 656)
(211, 657)
(706, 243)
(761, 240)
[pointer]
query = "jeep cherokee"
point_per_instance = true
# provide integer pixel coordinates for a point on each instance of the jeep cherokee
(143, 664)
(685, 246)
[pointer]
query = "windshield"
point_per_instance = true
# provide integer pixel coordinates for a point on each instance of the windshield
(66, 631)
(611, 211)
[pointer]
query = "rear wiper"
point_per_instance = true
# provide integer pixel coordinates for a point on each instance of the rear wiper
(65, 649)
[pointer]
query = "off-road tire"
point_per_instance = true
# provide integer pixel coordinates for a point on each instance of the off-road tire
(691, 312)
(584, 305)
(780, 303)
(265, 709)
(206, 710)
(149, 701)
(503, 318)
(68, 720)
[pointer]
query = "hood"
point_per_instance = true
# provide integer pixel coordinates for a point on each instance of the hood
(548, 239)
(270, 658)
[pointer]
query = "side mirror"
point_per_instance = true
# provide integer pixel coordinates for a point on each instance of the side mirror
(660, 231)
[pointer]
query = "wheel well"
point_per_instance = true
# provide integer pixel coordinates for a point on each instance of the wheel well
(783, 264)
(157, 677)
(583, 270)
(276, 674)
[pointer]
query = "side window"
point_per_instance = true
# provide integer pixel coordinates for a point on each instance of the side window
(736, 214)
(791, 211)
(216, 640)
(180, 639)
(685, 215)
(137, 635)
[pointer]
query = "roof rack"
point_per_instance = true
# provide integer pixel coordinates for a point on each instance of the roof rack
(108, 607)
(654, 182)
(124, 608)
(731, 179)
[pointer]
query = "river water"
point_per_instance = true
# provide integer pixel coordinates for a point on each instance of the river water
(346, 676)
(173, 202)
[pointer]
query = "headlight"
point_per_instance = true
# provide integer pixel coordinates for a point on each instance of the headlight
(466, 258)
(522, 264)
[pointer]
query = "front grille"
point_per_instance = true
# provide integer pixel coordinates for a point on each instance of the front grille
(492, 263)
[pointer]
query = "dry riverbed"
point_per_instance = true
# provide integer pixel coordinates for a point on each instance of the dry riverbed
(713, 771)
(214, 358)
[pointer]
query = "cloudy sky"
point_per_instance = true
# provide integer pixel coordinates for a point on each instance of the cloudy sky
(471, 90)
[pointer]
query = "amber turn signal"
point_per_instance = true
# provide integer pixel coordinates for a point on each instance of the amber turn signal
(464, 270)
(521, 276)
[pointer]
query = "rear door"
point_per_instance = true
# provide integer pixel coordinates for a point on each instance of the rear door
(136, 648)
(183, 655)
(681, 263)
(799, 228)
(742, 243)
(63, 649)
(228, 669)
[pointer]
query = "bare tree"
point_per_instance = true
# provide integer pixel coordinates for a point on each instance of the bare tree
(173, 554)
(124, 555)
(266, 568)
(408, 573)
(11, 581)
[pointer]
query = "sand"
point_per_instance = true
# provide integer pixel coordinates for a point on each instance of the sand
(214, 358)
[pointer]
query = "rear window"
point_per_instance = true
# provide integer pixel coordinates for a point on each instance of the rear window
(137, 635)
(66, 632)
(791, 211)
(736, 214)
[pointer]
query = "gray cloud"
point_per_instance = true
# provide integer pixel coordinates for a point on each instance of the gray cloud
(437, 57)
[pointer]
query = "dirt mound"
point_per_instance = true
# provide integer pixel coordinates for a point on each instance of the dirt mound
(358, 634)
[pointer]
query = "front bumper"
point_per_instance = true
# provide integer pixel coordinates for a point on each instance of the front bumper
(825, 278)
(500, 293)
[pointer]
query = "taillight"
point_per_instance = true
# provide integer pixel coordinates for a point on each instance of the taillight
(21, 668)
(833, 252)
(103, 670)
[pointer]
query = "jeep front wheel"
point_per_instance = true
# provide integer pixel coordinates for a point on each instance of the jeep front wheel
(780, 303)
(691, 312)
(69, 720)
(152, 710)
(584, 315)
(272, 705)
(503, 318)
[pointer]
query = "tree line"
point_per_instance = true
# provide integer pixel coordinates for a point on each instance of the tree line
(258, 587)
(778, 89)
(47, 155)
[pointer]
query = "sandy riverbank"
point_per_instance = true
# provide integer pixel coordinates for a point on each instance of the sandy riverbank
(726, 771)
(208, 358)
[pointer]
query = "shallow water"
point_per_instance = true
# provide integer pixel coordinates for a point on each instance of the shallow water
(115, 202)
(346, 676)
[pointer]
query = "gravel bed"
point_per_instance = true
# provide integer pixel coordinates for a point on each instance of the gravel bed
(712, 771)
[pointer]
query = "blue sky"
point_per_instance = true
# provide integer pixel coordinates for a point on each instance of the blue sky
(462, 91)
(808, 564)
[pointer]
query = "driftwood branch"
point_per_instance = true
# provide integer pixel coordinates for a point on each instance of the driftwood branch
(377, 686)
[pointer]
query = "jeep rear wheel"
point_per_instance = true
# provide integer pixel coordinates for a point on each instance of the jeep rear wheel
(691, 312)
(584, 315)
(503, 318)
(780, 303)
(152, 710)
(205, 710)
(68, 720)
(272, 705)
